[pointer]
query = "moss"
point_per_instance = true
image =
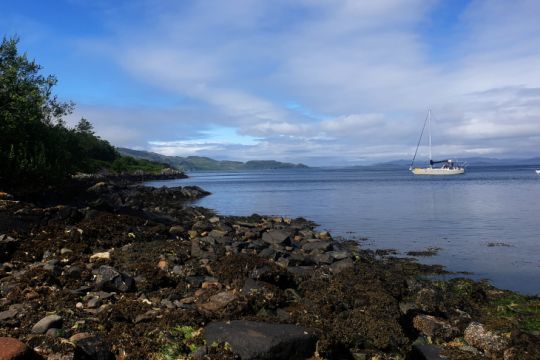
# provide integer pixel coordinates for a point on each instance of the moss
(181, 342)
(511, 309)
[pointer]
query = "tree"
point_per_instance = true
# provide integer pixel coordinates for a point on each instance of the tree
(34, 143)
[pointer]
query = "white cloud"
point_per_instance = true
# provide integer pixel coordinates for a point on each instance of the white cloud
(367, 65)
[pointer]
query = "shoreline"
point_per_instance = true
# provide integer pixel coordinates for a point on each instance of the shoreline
(174, 280)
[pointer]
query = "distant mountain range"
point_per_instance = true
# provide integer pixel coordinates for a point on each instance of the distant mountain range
(194, 163)
(476, 161)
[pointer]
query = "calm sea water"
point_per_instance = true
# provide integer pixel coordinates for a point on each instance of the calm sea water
(461, 215)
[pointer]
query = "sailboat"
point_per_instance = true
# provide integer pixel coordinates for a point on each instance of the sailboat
(448, 167)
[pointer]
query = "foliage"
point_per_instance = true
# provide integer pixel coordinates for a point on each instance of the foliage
(34, 143)
(36, 146)
(185, 340)
(128, 164)
(509, 308)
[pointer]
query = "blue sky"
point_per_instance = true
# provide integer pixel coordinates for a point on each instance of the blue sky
(316, 81)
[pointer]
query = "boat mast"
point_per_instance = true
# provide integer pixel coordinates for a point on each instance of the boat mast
(429, 130)
(419, 140)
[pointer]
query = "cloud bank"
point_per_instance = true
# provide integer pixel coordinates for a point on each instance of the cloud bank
(321, 82)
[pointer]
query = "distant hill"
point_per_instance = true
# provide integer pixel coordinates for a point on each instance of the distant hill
(194, 163)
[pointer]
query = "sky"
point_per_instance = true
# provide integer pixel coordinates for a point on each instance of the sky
(322, 82)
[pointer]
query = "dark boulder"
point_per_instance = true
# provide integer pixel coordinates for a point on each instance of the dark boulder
(258, 340)
(109, 279)
(277, 237)
(92, 348)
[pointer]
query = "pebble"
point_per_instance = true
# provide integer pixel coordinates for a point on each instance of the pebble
(101, 256)
(51, 321)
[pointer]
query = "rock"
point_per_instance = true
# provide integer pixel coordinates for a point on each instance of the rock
(8, 245)
(276, 237)
(341, 265)
(258, 340)
(196, 250)
(427, 352)
(13, 349)
(106, 255)
(317, 245)
(435, 327)
(92, 348)
(8, 315)
(176, 230)
(339, 254)
(214, 219)
(53, 266)
(94, 302)
(64, 251)
(324, 235)
(218, 301)
(147, 316)
(98, 187)
(163, 264)
(73, 272)
(477, 336)
(108, 278)
(79, 336)
(321, 258)
(51, 321)
(53, 332)
(269, 253)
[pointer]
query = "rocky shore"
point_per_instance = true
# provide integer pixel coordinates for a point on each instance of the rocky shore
(109, 269)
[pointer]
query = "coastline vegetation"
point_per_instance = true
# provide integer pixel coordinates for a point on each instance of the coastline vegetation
(36, 144)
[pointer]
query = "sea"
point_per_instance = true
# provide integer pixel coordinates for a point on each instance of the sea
(484, 224)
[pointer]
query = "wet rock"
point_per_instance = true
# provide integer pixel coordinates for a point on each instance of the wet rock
(65, 251)
(7, 315)
(176, 230)
(108, 278)
(53, 332)
(427, 352)
(13, 349)
(481, 338)
(257, 340)
(93, 303)
(51, 321)
(218, 302)
(435, 327)
(147, 316)
(269, 253)
(8, 245)
(53, 266)
(73, 272)
(339, 254)
(341, 265)
(321, 258)
(317, 245)
(276, 237)
(92, 348)
(98, 187)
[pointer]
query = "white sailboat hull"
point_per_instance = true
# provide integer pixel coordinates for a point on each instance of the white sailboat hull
(438, 171)
(537, 172)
